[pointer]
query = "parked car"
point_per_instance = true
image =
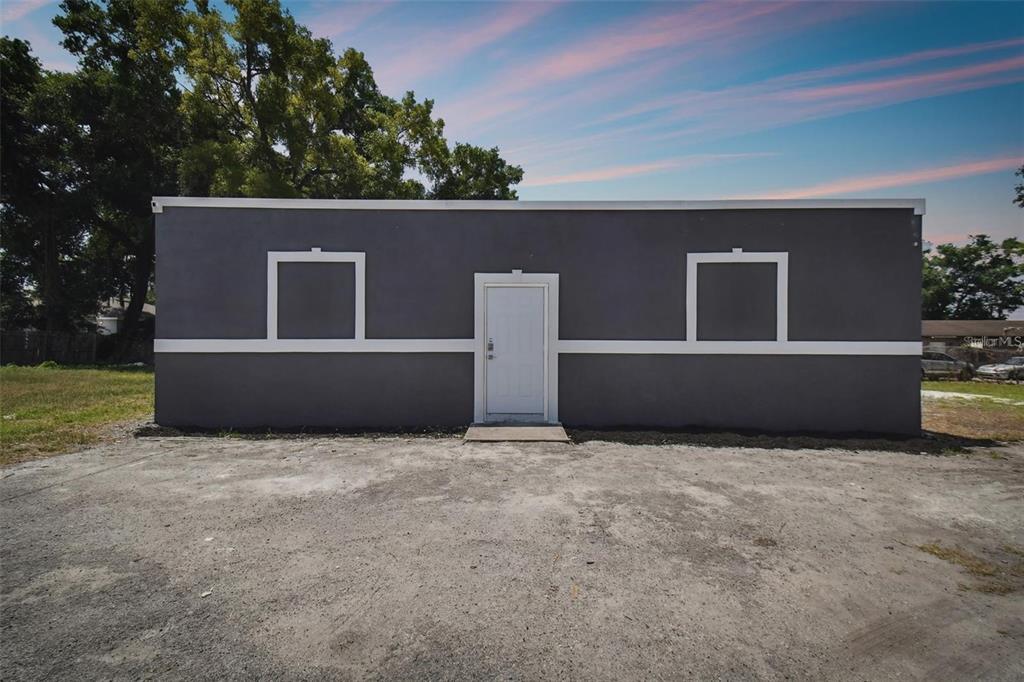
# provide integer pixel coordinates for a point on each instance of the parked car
(941, 365)
(1011, 369)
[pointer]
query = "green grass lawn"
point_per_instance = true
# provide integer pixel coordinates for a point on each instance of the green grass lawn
(49, 410)
(975, 417)
(1008, 391)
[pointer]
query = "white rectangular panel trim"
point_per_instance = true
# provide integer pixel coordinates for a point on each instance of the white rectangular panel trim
(315, 255)
(781, 260)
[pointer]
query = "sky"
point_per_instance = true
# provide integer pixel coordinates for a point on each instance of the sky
(672, 100)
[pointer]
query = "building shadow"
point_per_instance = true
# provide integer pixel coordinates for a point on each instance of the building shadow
(928, 443)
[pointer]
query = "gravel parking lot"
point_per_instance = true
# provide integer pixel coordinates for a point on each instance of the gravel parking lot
(307, 558)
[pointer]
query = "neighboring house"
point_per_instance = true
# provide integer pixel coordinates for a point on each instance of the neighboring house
(995, 336)
(32, 346)
(760, 315)
(108, 321)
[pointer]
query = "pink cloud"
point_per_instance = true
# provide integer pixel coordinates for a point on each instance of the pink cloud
(526, 105)
(906, 84)
(885, 63)
(689, 31)
(789, 99)
(780, 92)
(13, 10)
(703, 114)
(442, 49)
(567, 146)
(625, 171)
(622, 44)
(611, 68)
(900, 179)
(340, 18)
(949, 238)
(597, 174)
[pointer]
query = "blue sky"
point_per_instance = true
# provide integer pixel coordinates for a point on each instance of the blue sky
(673, 100)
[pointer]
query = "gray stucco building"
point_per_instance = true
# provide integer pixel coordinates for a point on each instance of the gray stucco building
(761, 315)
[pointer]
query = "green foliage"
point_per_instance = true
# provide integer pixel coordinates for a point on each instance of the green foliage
(47, 279)
(173, 99)
(128, 100)
(475, 173)
(981, 280)
(21, 78)
(21, 74)
(273, 112)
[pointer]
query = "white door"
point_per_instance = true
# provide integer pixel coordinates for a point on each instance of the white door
(514, 353)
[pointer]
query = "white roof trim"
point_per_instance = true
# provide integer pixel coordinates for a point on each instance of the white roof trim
(160, 203)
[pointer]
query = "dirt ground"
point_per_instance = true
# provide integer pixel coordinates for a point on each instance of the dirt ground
(307, 558)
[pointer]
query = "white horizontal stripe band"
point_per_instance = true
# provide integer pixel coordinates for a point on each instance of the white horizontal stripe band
(313, 345)
(563, 346)
(742, 347)
(160, 203)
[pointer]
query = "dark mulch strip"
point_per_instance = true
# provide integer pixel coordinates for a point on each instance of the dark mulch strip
(928, 443)
(157, 431)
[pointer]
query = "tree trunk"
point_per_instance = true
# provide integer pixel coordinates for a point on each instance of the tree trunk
(143, 270)
(51, 314)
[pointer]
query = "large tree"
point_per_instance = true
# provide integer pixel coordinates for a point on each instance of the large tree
(20, 77)
(47, 277)
(272, 111)
(128, 100)
(981, 280)
(172, 100)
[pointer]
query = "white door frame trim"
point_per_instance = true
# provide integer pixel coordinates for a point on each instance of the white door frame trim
(315, 255)
(549, 282)
(781, 260)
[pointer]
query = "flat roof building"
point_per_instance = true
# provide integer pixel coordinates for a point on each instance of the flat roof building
(757, 315)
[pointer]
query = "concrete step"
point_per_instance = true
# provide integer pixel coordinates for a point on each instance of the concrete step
(516, 432)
